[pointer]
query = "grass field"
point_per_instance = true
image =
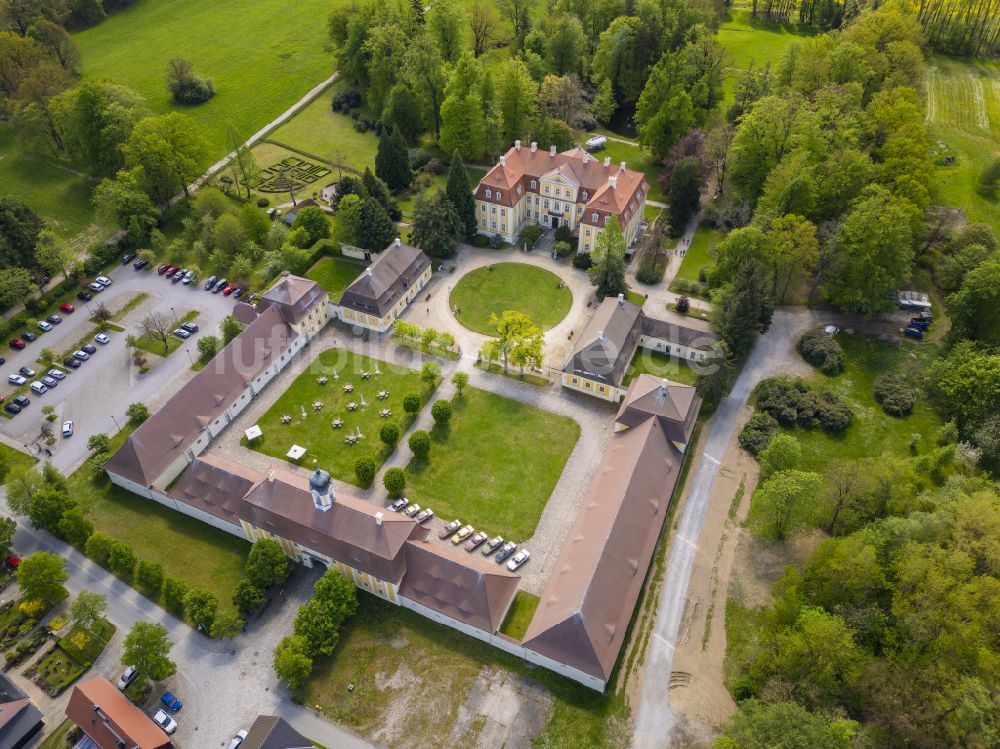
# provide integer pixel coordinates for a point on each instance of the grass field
(315, 432)
(187, 548)
(13, 461)
(659, 365)
(963, 111)
(495, 289)
(519, 615)
(261, 62)
(872, 432)
(634, 158)
(697, 257)
(334, 274)
(494, 465)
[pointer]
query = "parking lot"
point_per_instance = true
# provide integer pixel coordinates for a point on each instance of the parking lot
(96, 395)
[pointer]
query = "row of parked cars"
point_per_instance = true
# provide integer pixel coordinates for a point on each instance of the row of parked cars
(50, 379)
(214, 284)
(473, 539)
(918, 326)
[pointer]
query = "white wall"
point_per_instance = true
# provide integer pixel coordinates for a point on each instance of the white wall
(569, 672)
(675, 349)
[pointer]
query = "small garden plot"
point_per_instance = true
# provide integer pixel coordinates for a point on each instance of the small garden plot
(294, 418)
(292, 173)
(659, 365)
(70, 658)
(494, 465)
(334, 274)
(494, 289)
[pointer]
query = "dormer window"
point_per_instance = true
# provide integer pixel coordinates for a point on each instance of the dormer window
(585, 194)
(595, 217)
(606, 220)
(498, 195)
(534, 184)
(489, 193)
(518, 189)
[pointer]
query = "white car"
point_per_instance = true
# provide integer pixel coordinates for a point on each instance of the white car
(164, 721)
(127, 678)
(68, 428)
(81, 355)
(237, 739)
(44, 326)
(56, 374)
(16, 379)
(104, 281)
(518, 559)
(102, 338)
(96, 287)
(181, 333)
(38, 387)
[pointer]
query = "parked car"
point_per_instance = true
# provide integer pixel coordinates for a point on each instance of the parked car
(81, 355)
(923, 318)
(424, 515)
(492, 545)
(29, 337)
(220, 285)
(102, 338)
(84, 296)
(22, 401)
(251, 299)
(921, 324)
(72, 362)
(169, 272)
(399, 504)
(228, 290)
(238, 293)
(57, 374)
(68, 428)
(127, 678)
(163, 268)
(69, 309)
(49, 382)
(178, 276)
(38, 387)
(16, 380)
(412, 510)
(140, 264)
(54, 319)
(164, 721)
(44, 325)
(912, 332)
(463, 533)
(190, 327)
(518, 559)
(181, 333)
(89, 348)
(477, 540)
(505, 551)
(26, 371)
(13, 561)
(128, 258)
(17, 343)
(450, 528)
(2, 361)
(168, 699)
(189, 278)
(237, 739)
(96, 287)
(210, 283)
(12, 408)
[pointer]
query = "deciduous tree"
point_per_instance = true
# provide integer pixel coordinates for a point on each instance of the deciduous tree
(147, 647)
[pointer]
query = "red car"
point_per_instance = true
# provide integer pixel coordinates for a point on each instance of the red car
(228, 290)
(13, 561)
(69, 309)
(162, 269)
(17, 343)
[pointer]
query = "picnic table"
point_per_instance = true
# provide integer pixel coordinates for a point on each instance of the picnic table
(348, 388)
(322, 380)
(286, 419)
(351, 439)
(318, 406)
(385, 413)
(352, 406)
(383, 394)
(337, 423)
(365, 375)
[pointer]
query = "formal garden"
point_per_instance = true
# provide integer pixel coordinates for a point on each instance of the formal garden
(493, 464)
(361, 393)
(70, 657)
(494, 289)
(334, 274)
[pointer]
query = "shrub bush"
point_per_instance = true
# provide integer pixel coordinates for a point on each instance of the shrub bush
(435, 166)
(792, 402)
(582, 260)
(361, 126)
(894, 394)
(530, 234)
(395, 481)
(419, 157)
(389, 433)
(364, 470)
(98, 547)
(651, 268)
(480, 240)
(496, 242)
(174, 593)
(441, 411)
(563, 233)
(149, 578)
(411, 403)
(420, 443)
(822, 351)
(195, 89)
(122, 560)
(263, 202)
(562, 249)
(346, 100)
(683, 305)
(757, 433)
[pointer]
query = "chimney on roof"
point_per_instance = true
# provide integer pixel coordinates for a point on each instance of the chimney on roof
(600, 335)
(622, 167)
(663, 387)
(552, 150)
(378, 518)
(368, 271)
(621, 300)
(534, 146)
(517, 145)
(607, 161)
(586, 157)
(613, 181)
(503, 161)
(270, 476)
(398, 243)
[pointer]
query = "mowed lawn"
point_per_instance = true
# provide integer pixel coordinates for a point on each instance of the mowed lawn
(660, 365)
(698, 257)
(872, 431)
(188, 549)
(494, 465)
(334, 274)
(963, 111)
(13, 461)
(316, 433)
(494, 289)
(263, 57)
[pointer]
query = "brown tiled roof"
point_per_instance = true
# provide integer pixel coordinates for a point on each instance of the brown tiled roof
(674, 404)
(605, 347)
(272, 732)
(166, 434)
(294, 296)
(19, 719)
(386, 280)
(466, 587)
(589, 599)
(116, 720)
(680, 335)
(348, 532)
(215, 485)
(245, 313)
(521, 165)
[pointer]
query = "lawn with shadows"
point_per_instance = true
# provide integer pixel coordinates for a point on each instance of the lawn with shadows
(494, 289)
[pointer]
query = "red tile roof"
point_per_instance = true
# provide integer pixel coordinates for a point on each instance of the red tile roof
(108, 718)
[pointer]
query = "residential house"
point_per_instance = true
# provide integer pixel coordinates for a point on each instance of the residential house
(386, 287)
(20, 720)
(272, 732)
(110, 720)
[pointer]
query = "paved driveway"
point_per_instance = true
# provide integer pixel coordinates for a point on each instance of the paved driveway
(96, 395)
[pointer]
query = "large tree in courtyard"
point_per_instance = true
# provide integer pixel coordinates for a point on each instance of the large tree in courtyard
(392, 162)
(147, 647)
(608, 271)
(459, 192)
(435, 225)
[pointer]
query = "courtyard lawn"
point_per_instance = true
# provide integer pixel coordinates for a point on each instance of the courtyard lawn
(659, 365)
(315, 432)
(494, 465)
(493, 289)
(429, 185)
(519, 615)
(13, 461)
(334, 274)
(261, 62)
(188, 549)
(697, 257)
(872, 432)
(405, 667)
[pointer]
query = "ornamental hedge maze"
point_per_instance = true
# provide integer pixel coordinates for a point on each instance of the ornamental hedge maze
(291, 173)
